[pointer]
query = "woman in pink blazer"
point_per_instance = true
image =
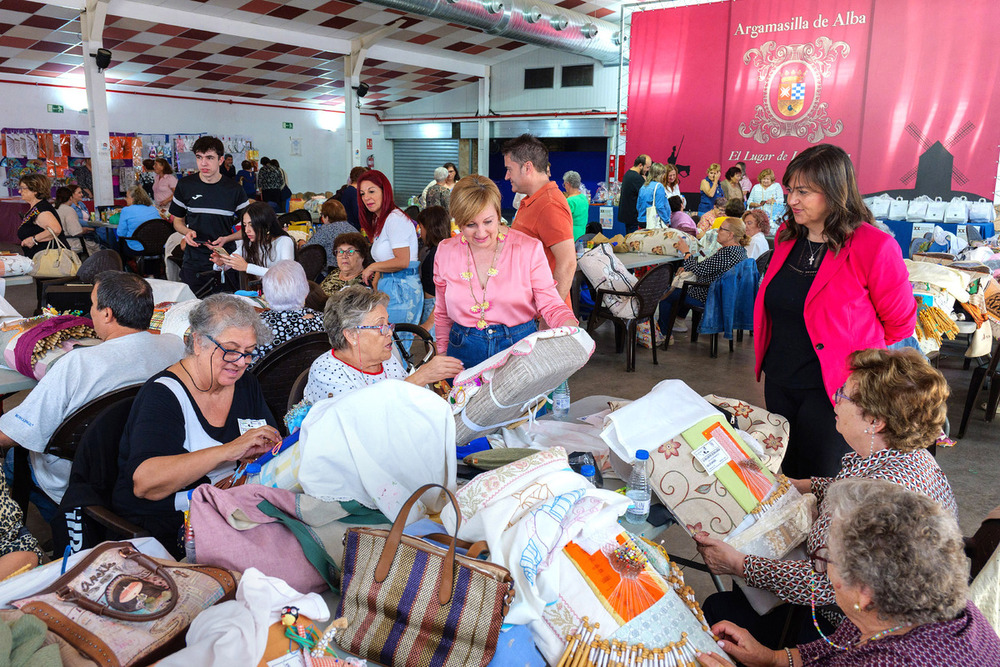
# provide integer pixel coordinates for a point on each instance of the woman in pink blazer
(835, 284)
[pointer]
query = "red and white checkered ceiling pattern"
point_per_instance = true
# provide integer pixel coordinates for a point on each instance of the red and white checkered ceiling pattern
(44, 41)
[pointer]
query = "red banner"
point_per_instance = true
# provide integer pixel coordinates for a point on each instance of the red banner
(902, 86)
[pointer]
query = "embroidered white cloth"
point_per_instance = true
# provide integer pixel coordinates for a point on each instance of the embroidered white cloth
(377, 445)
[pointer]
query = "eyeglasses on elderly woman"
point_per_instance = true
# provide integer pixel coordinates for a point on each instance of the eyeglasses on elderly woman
(383, 329)
(232, 356)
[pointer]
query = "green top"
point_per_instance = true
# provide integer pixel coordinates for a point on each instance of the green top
(578, 208)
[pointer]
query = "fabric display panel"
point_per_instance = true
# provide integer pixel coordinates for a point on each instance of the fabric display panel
(33, 151)
(513, 384)
(660, 241)
(711, 475)
(31, 346)
(571, 562)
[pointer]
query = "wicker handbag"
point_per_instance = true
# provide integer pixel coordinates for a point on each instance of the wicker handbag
(120, 607)
(409, 603)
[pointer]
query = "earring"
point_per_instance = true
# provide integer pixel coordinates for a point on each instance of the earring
(871, 444)
(463, 241)
(857, 607)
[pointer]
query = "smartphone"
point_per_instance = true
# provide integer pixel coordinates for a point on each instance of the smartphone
(221, 252)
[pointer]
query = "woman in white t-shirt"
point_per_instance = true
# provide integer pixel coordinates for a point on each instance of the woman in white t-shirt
(393, 251)
(673, 184)
(757, 226)
(263, 244)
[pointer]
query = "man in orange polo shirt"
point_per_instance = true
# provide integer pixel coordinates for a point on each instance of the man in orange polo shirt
(543, 213)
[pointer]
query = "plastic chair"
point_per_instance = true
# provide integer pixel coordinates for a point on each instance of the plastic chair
(298, 389)
(152, 235)
(763, 262)
(282, 365)
(64, 441)
(648, 291)
(93, 476)
(313, 260)
(414, 344)
(979, 376)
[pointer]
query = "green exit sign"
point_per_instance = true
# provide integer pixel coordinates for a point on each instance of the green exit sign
(55, 108)
(286, 126)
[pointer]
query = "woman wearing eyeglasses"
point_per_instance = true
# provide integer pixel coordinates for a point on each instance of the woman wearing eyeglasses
(835, 284)
(897, 562)
(357, 321)
(890, 410)
(192, 423)
(350, 251)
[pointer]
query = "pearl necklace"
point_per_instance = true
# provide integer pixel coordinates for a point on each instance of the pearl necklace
(481, 305)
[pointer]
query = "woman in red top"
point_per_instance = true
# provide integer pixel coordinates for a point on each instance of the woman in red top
(835, 284)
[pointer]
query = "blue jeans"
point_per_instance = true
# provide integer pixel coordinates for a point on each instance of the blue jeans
(472, 346)
(668, 303)
(406, 296)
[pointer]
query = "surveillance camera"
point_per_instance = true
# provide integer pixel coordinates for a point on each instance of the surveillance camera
(103, 59)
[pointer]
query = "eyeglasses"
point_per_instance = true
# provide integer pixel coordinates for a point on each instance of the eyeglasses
(840, 394)
(820, 560)
(725, 229)
(232, 356)
(348, 252)
(383, 329)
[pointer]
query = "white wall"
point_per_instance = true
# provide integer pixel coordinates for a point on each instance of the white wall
(507, 93)
(462, 101)
(321, 167)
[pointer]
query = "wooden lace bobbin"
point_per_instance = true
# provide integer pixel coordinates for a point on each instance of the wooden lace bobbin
(571, 641)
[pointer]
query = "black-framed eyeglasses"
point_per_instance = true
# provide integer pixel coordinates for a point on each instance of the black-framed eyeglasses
(348, 252)
(232, 356)
(383, 329)
(840, 394)
(820, 559)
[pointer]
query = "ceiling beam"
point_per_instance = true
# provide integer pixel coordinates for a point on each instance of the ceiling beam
(406, 55)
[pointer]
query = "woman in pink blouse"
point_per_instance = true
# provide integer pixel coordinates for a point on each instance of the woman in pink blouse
(164, 183)
(492, 282)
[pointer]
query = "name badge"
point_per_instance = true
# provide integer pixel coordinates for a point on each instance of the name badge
(248, 424)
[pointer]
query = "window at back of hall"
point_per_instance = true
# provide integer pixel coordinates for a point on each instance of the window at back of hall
(577, 75)
(542, 77)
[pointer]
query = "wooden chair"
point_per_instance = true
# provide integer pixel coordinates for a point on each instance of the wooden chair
(979, 376)
(64, 441)
(648, 291)
(282, 365)
(152, 235)
(92, 480)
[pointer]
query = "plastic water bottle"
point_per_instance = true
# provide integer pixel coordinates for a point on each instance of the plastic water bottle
(638, 490)
(590, 473)
(561, 401)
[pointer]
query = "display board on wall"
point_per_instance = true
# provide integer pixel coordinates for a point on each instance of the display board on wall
(893, 82)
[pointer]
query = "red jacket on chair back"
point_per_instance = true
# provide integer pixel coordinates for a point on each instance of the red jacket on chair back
(861, 298)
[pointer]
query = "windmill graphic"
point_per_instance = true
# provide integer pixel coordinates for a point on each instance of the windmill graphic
(935, 169)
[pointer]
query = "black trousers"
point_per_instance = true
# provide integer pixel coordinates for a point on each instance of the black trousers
(815, 447)
(792, 621)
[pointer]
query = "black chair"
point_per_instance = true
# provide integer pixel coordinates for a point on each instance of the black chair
(93, 266)
(152, 235)
(313, 260)
(980, 547)
(300, 215)
(763, 262)
(648, 291)
(282, 365)
(979, 376)
(64, 441)
(92, 480)
(298, 389)
(414, 344)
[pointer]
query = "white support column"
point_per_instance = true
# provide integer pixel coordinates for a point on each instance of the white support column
(352, 114)
(483, 153)
(91, 33)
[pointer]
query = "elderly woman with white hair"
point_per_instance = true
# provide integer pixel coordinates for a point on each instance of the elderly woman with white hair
(439, 194)
(357, 322)
(897, 562)
(285, 289)
(578, 204)
(193, 422)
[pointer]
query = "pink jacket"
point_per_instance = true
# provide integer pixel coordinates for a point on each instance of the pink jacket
(861, 298)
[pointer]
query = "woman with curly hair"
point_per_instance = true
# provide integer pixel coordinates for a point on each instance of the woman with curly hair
(897, 562)
(890, 410)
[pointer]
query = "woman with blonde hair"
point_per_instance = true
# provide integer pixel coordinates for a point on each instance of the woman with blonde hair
(492, 282)
(710, 188)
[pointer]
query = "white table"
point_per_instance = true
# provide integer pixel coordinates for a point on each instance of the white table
(633, 260)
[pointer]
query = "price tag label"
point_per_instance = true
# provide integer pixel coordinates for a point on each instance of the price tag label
(248, 424)
(712, 456)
